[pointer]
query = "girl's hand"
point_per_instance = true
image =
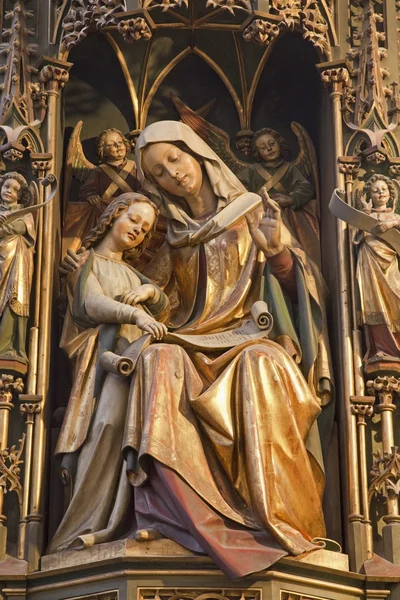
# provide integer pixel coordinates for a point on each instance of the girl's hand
(144, 292)
(146, 323)
(70, 262)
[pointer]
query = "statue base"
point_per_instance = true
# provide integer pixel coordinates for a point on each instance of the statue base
(13, 364)
(164, 570)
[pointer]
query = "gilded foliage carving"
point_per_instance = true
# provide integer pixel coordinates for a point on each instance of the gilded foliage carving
(113, 595)
(198, 594)
(230, 5)
(367, 54)
(261, 31)
(134, 29)
(10, 461)
(84, 14)
(303, 15)
(292, 596)
(18, 53)
(164, 4)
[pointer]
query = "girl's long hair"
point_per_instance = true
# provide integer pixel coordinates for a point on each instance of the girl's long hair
(112, 212)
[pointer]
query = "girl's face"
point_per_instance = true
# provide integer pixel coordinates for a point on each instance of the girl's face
(11, 192)
(176, 171)
(380, 194)
(132, 226)
(268, 148)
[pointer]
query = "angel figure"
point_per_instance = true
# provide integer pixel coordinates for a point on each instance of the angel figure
(17, 240)
(378, 273)
(286, 182)
(116, 174)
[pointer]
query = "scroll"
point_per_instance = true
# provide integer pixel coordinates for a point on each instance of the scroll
(256, 328)
(360, 220)
(113, 363)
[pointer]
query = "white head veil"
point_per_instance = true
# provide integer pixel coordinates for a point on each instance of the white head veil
(225, 184)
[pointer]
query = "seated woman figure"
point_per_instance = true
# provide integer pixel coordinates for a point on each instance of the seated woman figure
(221, 446)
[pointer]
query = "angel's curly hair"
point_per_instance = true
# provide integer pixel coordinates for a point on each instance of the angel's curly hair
(285, 152)
(101, 142)
(26, 195)
(112, 212)
(391, 187)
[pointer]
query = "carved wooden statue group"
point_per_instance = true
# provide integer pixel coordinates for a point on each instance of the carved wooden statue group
(174, 427)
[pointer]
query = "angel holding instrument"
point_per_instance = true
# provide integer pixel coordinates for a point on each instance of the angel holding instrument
(116, 174)
(286, 182)
(17, 241)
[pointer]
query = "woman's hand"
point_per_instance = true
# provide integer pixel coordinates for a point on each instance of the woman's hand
(267, 233)
(146, 323)
(144, 292)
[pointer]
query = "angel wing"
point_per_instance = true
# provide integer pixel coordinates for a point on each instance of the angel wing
(306, 159)
(215, 137)
(34, 193)
(76, 163)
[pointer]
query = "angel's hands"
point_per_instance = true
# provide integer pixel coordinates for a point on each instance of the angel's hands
(95, 200)
(282, 199)
(386, 225)
(144, 292)
(366, 205)
(146, 323)
(3, 219)
(70, 262)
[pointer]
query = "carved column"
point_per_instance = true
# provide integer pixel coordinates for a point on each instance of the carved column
(362, 409)
(386, 467)
(30, 405)
(335, 76)
(9, 458)
(53, 75)
(349, 166)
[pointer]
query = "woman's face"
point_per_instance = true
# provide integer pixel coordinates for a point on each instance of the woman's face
(268, 148)
(176, 171)
(132, 226)
(380, 194)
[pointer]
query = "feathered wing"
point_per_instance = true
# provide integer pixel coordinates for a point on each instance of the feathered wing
(76, 163)
(306, 159)
(35, 193)
(216, 138)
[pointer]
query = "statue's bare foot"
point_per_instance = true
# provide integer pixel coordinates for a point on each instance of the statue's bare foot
(147, 535)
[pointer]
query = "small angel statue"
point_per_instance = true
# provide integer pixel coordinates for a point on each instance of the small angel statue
(17, 241)
(286, 182)
(115, 175)
(378, 273)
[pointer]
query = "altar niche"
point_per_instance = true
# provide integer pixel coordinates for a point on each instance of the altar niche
(234, 86)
